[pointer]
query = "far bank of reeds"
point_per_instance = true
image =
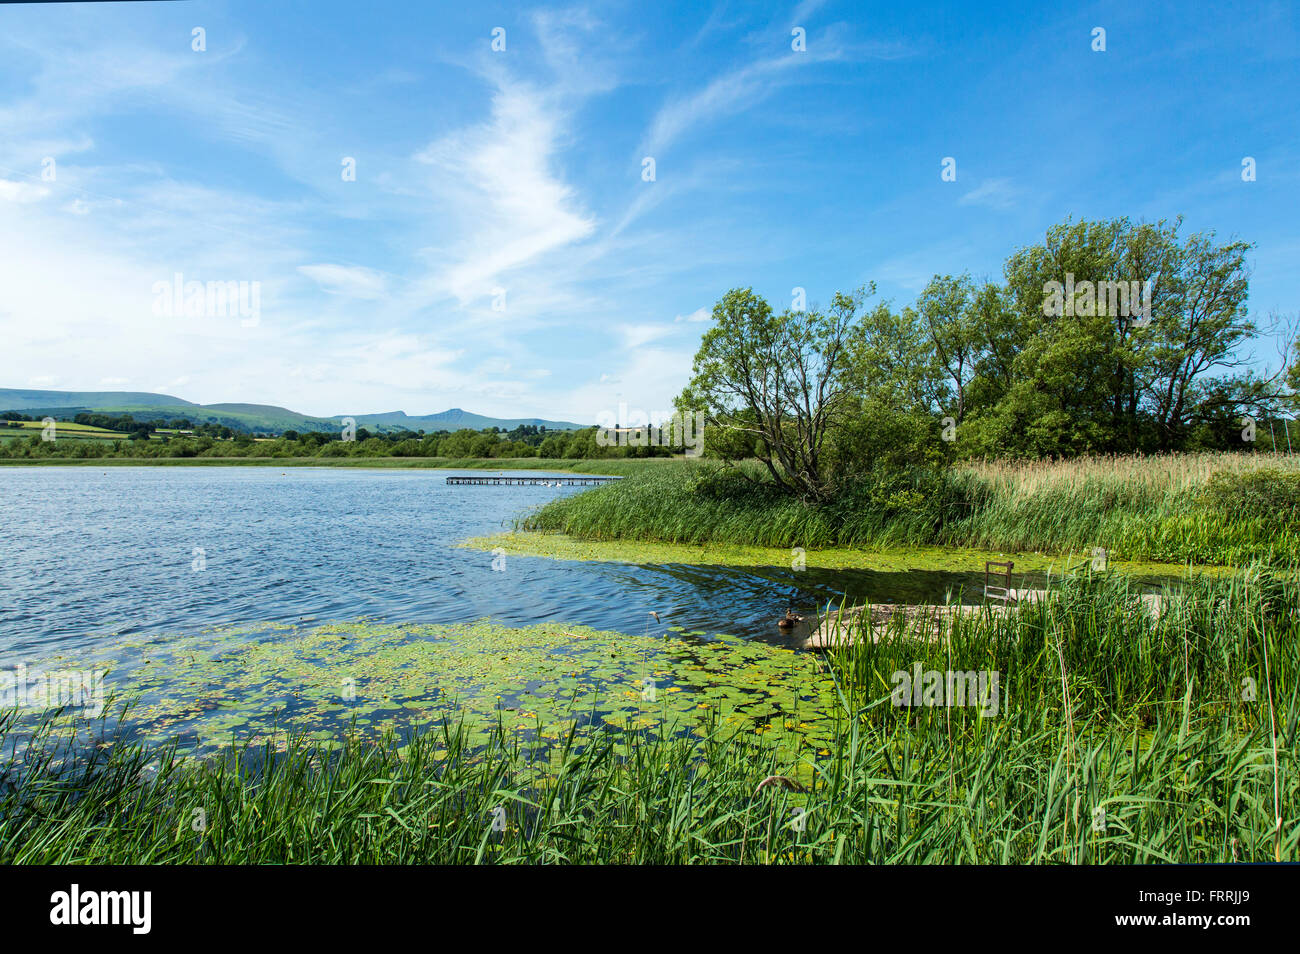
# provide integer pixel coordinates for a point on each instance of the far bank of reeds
(1213, 508)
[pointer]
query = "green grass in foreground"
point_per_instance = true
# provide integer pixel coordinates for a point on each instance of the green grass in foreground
(1157, 508)
(1118, 738)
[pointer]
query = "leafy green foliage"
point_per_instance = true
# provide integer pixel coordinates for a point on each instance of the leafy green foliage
(1265, 494)
(1106, 337)
(1120, 738)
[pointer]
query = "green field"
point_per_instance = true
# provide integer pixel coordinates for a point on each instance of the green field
(63, 431)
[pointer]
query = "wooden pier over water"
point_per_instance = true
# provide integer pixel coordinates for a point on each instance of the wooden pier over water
(514, 481)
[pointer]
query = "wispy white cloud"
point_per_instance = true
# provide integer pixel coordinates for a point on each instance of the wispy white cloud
(636, 335)
(806, 8)
(997, 194)
(11, 191)
(351, 281)
(746, 86)
(724, 95)
(579, 48)
(499, 177)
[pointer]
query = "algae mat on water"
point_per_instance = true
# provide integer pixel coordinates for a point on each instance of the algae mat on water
(259, 683)
(559, 546)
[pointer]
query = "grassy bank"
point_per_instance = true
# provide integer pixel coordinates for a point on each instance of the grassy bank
(1200, 508)
(1117, 738)
(559, 546)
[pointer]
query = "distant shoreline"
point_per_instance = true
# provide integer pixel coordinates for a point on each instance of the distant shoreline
(594, 467)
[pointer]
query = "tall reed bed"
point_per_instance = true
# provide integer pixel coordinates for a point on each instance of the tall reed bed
(1118, 739)
(1214, 643)
(685, 504)
(1159, 507)
(1179, 508)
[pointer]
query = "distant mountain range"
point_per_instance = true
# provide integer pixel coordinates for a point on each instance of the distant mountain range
(247, 418)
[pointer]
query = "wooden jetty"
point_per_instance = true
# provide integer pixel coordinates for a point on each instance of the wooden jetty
(926, 621)
(517, 481)
(844, 626)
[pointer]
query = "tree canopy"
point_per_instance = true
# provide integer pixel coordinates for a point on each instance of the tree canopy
(1106, 337)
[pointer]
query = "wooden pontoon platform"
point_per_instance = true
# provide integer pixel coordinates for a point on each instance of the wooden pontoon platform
(504, 481)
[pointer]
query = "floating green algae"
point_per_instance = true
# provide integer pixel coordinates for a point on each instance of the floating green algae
(263, 683)
(559, 546)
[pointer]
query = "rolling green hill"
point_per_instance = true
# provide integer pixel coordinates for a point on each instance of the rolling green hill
(249, 418)
(15, 399)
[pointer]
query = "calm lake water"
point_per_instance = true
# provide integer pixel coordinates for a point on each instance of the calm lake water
(90, 556)
(236, 601)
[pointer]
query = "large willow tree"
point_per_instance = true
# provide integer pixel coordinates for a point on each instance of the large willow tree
(775, 386)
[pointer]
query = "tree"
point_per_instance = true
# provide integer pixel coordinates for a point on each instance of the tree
(1198, 372)
(1114, 337)
(1062, 382)
(950, 315)
(784, 380)
(552, 447)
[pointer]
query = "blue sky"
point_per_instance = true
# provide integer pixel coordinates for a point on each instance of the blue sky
(499, 249)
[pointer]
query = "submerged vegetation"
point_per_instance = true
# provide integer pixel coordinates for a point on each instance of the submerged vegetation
(1117, 737)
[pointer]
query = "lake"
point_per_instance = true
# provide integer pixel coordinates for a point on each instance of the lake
(262, 590)
(91, 555)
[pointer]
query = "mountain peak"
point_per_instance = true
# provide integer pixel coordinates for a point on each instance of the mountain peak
(248, 418)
